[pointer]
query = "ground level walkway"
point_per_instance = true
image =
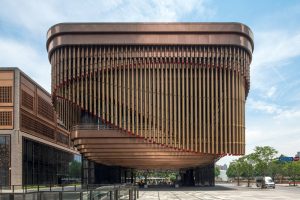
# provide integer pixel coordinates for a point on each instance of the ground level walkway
(225, 191)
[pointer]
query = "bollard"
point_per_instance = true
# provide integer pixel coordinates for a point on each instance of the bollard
(11, 196)
(130, 194)
(116, 194)
(111, 195)
(60, 195)
(39, 196)
(134, 196)
(81, 195)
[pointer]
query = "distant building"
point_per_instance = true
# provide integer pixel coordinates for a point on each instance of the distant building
(34, 148)
(222, 167)
(223, 176)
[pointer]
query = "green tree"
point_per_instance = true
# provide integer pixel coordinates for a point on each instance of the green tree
(217, 171)
(247, 168)
(235, 170)
(75, 169)
(292, 170)
(276, 169)
(262, 157)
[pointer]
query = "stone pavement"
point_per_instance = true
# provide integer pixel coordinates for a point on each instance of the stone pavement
(220, 192)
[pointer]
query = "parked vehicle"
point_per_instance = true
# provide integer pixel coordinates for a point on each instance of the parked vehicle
(265, 182)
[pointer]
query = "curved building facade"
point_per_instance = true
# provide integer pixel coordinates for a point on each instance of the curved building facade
(152, 95)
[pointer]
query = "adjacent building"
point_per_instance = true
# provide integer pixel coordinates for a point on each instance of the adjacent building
(152, 95)
(35, 146)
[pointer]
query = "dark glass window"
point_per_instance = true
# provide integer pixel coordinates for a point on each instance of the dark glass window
(43, 164)
(4, 160)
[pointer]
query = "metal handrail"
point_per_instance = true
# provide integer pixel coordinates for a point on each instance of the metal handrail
(106, 127)
(111, 192)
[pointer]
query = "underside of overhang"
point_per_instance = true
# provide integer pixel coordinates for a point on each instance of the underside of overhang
(113, 147)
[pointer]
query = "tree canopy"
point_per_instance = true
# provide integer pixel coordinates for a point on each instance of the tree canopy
(263, 162)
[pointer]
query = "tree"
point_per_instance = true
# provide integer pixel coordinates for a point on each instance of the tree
(247, 168)
(75, 169)
(262, 157)
(217, 171)
(275, 169)
(235, 170)
(292, 169)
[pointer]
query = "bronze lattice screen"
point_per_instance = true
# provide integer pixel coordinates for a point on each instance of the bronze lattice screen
(179, 86)
(186, 97)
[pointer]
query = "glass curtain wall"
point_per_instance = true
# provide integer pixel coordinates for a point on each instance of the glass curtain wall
(4, 160)
(43, 164)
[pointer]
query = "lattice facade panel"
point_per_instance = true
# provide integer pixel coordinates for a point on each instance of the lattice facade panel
(170, 94)
(185, 97)
(6, 94)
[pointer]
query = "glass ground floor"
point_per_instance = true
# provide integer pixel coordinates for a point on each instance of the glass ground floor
(44, 164)
(41, 163)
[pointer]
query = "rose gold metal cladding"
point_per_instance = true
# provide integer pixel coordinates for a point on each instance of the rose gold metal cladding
(171, 95)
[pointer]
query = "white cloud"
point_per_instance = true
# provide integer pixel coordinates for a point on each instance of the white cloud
(274, 47)
(263, 106)
(271, 91)
(273, 52)
(28, 59)
(33, 18)
(38, 16)
(273, 125)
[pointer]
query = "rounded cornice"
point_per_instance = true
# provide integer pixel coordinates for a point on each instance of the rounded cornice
(233, 34)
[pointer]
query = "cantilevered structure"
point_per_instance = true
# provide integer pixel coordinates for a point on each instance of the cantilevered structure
(152, 95)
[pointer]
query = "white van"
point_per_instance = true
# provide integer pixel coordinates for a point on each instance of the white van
(265, 182)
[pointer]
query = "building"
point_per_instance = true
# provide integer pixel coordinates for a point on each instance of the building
(34, 148)
(152, 95)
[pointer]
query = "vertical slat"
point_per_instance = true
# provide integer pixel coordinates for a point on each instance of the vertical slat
(208, 99)
(221, 100)
(197, 118)
(167, 99)
(204, 98)
(180, 121)
(212, 100)
(217, 105)
(172, 96)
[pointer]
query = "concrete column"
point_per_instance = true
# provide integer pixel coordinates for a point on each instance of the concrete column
(16, 158)
(16, 137)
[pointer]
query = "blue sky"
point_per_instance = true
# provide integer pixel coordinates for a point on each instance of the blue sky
(273, 104)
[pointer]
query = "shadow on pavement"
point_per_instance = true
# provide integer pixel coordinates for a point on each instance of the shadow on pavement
(168, 188)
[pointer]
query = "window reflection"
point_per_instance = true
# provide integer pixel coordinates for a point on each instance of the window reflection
(43, 164)
(4, 160)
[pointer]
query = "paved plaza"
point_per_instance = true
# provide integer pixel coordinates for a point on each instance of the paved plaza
(220, 192)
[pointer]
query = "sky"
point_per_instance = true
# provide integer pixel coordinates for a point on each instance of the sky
(273, 104)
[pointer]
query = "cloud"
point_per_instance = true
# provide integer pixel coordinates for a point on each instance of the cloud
(263, 106)
(28, 59)
(275, 47)
(273, 56)
(273, 125)
(24, 24)
(271, 91)
(38, 16)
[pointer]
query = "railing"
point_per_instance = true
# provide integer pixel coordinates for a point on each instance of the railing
(58, 192)
(92, 127)
(108, 127)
